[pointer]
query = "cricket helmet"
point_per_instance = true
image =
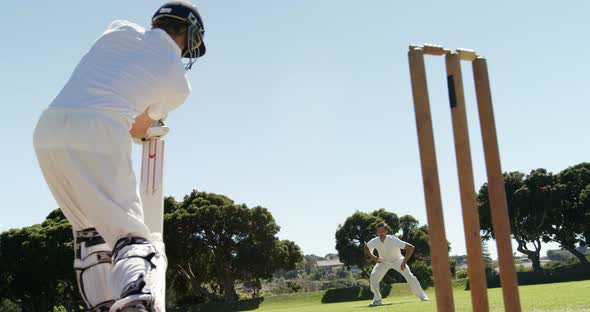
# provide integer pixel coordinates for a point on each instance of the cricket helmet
(187, 12)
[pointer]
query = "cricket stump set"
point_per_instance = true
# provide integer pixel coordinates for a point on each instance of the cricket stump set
(497, 194)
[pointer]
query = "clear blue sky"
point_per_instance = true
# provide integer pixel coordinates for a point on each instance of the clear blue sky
(305, 107)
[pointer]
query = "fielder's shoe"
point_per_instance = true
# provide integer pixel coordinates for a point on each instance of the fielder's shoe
(376, 303)
(425, 298)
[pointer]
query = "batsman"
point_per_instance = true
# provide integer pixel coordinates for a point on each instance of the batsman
(119, 92)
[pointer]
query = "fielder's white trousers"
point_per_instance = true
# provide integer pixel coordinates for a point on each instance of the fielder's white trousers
(381, 269)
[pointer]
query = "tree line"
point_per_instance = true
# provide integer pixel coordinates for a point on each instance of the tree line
(214, 244)
(211, 243)
(544, 207)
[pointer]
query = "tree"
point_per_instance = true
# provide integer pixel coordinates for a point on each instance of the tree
(351, 236)
(170, 204)
(211, 244)
(288, 255)
(225, 242)
(529, 201)
(460, 259)
(408, 224)
(544, 207)
(390, 218)
(569, 221)
(418, 236)
(36, 265)
(585, 201)
(359, 228)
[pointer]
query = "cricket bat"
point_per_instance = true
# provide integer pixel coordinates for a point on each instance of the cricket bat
(151, 187)
(152, 198)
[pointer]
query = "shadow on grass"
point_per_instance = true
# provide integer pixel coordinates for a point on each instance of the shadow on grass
(352, 294)
(242, 305)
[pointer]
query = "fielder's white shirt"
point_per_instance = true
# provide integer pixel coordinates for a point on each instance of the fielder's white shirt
(128, 70)
(389, 249)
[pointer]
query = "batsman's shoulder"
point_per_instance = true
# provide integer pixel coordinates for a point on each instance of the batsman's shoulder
(122, 24)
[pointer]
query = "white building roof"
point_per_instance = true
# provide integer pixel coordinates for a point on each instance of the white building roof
(325, 263)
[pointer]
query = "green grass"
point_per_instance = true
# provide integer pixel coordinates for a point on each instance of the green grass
(571, 296)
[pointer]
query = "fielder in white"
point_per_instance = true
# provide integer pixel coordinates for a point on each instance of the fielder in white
(127, 81)
(390, 257)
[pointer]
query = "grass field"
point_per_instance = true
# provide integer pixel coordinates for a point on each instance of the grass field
(572, 296)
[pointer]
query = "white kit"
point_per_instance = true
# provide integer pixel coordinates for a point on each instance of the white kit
(83, 146)
(390, 253)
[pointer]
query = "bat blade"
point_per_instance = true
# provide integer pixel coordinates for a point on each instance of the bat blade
(151, 186)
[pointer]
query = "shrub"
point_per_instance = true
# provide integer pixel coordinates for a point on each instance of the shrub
(294, 286)
(423, 273)
(523, 268)
(462, 274)
(353, 294)
(9, 306)
(339, 283)
(559, 255)
(576, 272)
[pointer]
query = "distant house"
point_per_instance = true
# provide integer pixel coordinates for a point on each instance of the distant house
(332, 262)
(328, 266)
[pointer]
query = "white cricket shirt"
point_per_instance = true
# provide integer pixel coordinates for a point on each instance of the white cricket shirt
(128, 70)
(389, 249)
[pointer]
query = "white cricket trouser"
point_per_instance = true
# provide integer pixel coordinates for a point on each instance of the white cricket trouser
(85, 157)
(381, 269)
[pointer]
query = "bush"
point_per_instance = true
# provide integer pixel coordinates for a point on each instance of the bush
(353, 294)
(362, 282)
(339, 283)
(453, 263)
(523, 268)
(294, 286)
(423, 273)
(317, 275)
(576, 272)
(460, 283)
(310, 285)
(553, 264)
(559, 255)
(462, 274)
(9, 306)
(344, 274)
